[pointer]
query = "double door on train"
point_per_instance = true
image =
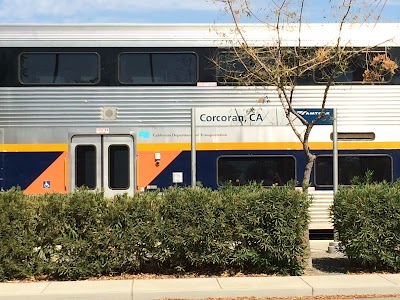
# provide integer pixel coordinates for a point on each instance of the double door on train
(103, 162)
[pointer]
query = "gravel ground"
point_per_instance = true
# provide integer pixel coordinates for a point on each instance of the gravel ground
(325, 263)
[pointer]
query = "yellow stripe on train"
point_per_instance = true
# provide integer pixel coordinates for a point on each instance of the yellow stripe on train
(34, 147)
(270, 146)
(215, 146)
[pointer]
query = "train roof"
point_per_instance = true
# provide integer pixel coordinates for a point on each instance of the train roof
(196, 35)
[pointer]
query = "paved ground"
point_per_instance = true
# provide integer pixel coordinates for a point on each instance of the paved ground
(190, 288)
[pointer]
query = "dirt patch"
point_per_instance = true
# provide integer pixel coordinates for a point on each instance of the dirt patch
(325, 263)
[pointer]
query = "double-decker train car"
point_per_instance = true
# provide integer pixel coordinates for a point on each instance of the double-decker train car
(109, 107)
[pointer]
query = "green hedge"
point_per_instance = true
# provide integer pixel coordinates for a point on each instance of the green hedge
(367, 219)
(83, 234)
(17, 235)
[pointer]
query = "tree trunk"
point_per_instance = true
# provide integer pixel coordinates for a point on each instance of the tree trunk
(305, 184)
(306, 240)
(308, 169)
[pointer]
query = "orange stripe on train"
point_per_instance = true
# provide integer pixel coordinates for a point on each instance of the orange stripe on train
(147, 168)
(55, 177)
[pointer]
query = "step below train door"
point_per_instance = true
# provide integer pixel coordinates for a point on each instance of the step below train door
(103, 162)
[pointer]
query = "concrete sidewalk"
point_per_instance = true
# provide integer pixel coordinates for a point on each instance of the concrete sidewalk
(192, 288)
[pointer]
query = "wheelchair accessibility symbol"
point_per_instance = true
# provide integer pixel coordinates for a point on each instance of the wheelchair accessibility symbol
(46, 184)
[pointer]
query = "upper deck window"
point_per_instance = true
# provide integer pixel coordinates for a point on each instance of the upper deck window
(59, 68)
(360, 68)
(240, 68)
(158, 68)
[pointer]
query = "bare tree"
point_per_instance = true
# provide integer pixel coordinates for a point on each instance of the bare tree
(283, 66)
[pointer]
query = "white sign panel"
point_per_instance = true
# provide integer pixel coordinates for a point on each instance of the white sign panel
(102, 130)
(177, 177)
(240, 116)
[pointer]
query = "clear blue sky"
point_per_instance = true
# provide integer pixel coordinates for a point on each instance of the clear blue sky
(147, 11)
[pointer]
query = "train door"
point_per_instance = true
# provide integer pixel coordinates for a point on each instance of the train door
(104, 162)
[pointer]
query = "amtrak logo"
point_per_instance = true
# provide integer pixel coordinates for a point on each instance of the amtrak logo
(310, 114)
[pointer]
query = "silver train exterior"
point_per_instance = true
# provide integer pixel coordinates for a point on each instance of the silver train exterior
(155, 121)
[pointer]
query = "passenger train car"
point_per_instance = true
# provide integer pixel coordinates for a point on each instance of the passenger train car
(109, 107)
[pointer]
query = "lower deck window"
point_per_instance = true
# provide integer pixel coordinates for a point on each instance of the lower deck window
(351, 166)
(268, 170)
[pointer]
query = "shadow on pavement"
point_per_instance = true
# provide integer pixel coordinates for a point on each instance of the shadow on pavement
(340, 265)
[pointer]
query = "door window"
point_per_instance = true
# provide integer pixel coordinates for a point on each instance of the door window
(103, 162)
(118, 172)
(85, 166)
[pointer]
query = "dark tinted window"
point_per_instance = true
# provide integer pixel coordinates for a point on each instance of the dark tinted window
(238, 68)
(356, 70)
(157, 68)
(59, 68)
(230, 68)
(352, 166)
(85, 166)
(118, 172)
(244, 169)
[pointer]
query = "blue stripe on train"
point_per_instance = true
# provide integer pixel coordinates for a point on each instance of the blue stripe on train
(207, 164)
(22, 168)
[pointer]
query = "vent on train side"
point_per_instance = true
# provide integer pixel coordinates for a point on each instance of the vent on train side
(108, 113)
